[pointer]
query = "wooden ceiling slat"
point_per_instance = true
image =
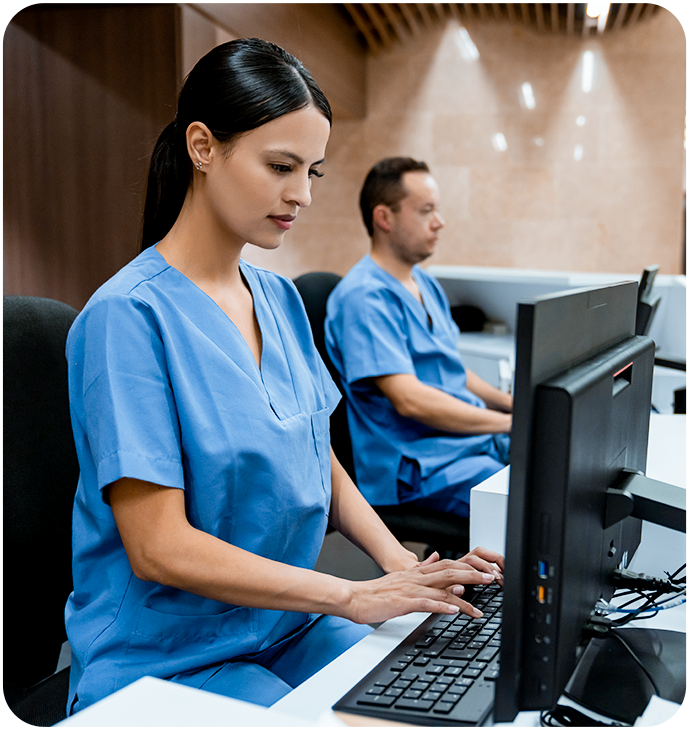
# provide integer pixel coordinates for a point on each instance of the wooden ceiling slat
(570, 21)
(371, 10)
(620, 16)
(362, 26)
(440, 9)
(423, 10)
(455, 11)
(555, 22)
(648, 11)
(636, 10)
(539, 8)
(382, 24)
(409, 17)
(394, 19)
(469, 10)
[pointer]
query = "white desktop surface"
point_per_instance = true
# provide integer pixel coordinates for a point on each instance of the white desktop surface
(151, 702)
(156, 703)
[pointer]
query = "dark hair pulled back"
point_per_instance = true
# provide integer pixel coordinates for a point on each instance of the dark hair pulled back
(236, 87)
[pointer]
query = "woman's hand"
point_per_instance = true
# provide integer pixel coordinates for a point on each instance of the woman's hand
(433, 586)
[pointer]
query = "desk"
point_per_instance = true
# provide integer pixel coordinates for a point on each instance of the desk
(151, 702)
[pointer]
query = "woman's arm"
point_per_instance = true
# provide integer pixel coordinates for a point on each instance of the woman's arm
(354, 518)
(435, 408)
(163, 547)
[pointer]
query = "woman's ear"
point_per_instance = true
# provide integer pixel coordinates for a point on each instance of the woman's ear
(199, 143)
(382, 217)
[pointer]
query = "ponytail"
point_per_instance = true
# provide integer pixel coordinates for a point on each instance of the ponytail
(236, 87)
(166, 187)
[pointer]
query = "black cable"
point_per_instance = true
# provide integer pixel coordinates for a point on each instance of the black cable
(565, 716)
(637, 660)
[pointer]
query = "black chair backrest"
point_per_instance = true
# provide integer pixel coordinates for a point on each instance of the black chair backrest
(447, 533)
(315, 288)
(40, 479)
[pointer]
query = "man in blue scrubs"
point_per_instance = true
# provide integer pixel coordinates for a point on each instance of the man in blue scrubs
(424, 428)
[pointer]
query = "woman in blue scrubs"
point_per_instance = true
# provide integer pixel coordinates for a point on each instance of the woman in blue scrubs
(200, 409)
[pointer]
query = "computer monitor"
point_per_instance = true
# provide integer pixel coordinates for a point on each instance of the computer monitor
(647, 301)
(581, 418)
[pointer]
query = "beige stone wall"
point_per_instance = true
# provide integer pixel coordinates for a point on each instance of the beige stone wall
(585, 180)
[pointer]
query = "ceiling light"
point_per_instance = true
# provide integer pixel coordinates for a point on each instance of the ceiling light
(527, 96)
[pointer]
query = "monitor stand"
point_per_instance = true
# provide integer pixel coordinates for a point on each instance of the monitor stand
(609, 681)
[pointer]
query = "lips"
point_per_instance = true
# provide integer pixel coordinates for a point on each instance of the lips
(284, 222)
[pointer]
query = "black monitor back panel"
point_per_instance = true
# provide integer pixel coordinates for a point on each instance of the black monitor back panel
(555, 334)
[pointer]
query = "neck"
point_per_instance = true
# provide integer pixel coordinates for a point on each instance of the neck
(200, 250)
(400, 270)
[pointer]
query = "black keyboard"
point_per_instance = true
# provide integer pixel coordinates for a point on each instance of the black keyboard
(442, 673)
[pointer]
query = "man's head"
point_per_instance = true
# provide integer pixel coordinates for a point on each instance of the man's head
(399, 203)
(384, 186)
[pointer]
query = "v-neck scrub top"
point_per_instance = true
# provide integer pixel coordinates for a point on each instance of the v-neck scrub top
(374, 327)
(164, 388)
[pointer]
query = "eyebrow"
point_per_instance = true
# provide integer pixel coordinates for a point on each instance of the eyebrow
(294, 157)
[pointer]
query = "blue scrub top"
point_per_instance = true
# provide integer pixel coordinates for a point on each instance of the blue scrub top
(164, 388)
(375, 326)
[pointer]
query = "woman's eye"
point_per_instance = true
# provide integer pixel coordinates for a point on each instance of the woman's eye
(315, 173)
(281, 168)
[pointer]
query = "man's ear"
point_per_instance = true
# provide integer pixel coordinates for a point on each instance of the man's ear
(382, 217)
(199, 143)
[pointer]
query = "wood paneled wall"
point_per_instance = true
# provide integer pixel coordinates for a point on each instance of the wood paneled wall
(87, 90)
(314, 32)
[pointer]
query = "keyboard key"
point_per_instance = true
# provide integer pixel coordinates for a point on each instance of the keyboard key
(376, 701)
(443, 708)
(487, 654)
(469, 672)
(417, 705)
(394, 692)
(409, 677)
(412, 694)
(462, 653)
(451, 697)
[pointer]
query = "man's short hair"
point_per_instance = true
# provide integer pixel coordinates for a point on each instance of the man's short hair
(384, 186)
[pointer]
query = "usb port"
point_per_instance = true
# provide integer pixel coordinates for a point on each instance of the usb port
(541, 594)
(543, 569)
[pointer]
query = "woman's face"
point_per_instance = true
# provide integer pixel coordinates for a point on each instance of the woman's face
(257, 189)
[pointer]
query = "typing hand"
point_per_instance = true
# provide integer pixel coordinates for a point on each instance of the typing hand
(433, 586)
(486, 561)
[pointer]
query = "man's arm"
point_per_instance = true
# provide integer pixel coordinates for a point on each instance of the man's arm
(494, 398)
(433, 407)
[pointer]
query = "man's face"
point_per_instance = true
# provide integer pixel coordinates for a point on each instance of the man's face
(417, 222)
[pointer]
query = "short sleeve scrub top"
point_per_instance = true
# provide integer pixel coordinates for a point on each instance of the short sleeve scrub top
(164, 388)
(376, 327)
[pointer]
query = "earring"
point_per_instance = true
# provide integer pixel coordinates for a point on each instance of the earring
(198, 166)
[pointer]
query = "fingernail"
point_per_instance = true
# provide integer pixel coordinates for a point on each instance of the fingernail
(458, 590)
(477, 612)
(488, 576)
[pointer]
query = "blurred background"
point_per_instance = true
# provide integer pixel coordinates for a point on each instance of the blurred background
(557, 137)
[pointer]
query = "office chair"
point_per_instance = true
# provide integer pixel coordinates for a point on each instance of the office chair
(446, 533)
(40, 479)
